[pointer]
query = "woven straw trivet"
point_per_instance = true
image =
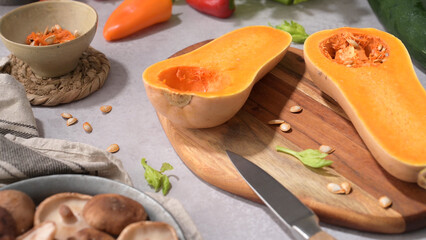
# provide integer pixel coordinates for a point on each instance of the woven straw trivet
(89, 75)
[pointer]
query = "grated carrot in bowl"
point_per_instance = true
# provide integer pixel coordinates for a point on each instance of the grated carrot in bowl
(55, 35)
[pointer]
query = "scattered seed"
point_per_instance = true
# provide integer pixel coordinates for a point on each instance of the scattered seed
(383, 49)
(285, 127)
(326, 149)
(87, 127)
(57, 26)
(377, 60)
(349, 65)
(66, 115)
(335, 188)
(106, 108)
(421, 178)
(32, 43)
(385, 202)
(379, 47)
(352, 42)
(71, 121)
(296, 109)
(113, 148)
(346, 187)
(276, 121)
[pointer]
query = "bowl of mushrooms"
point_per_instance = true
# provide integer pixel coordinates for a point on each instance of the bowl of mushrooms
(49, 36)
(82, 207)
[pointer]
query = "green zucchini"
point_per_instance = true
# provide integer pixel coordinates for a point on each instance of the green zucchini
(406, 19)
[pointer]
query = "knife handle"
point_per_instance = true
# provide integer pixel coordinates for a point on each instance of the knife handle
(321, 235)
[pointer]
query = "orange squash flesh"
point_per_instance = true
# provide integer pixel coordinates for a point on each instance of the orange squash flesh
(206, 87)
(376, 85)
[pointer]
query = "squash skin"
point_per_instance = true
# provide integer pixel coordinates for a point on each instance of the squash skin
(394, 162)
(204, 110)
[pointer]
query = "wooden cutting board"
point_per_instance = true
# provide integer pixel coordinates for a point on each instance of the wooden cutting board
(322, 121)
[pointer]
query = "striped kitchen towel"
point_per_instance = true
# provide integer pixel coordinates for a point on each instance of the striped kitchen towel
(23, 154)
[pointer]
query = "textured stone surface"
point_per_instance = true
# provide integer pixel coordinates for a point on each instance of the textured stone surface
(134, 126)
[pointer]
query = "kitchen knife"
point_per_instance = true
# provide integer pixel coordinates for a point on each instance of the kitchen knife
(290, 210)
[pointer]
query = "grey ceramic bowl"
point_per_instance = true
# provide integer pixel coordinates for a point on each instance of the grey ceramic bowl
(40, 188)
(53, 60)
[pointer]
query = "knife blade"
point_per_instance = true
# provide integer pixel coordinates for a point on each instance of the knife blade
(290, 210)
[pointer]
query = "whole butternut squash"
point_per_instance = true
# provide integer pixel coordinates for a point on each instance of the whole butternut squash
(208, 86)
(370, 74)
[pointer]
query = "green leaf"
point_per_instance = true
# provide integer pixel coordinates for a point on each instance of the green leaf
(299, 1)
(166, 184)
(155, 178)
(165, 167)
(296, 30)
(309, 157)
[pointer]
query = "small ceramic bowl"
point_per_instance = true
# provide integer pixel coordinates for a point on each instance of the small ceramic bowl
(52, 60)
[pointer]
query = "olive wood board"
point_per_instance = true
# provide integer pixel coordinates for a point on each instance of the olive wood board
(321, 122)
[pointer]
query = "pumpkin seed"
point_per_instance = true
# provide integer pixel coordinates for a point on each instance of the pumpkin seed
(113, 148)
(106, 108)
(71, 121)
(46, 30)
(66, 115)
(352, 42)
(296, 109)
(379, 47)
(276, 121)
(87, 127)
(285, 127)
(385, 202)
(421, 178)
(335, 188)
(326, 149)
(346, 187)
(50, 39)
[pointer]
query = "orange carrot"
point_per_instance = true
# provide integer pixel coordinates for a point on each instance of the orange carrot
(54, 36)
(133, 15)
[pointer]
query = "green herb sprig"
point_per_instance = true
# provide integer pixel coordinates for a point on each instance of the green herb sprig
(157, 179)
(296, 30)
(309, 157)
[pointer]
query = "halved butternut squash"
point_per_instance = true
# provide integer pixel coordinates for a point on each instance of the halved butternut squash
(208, 86)
(370, 74)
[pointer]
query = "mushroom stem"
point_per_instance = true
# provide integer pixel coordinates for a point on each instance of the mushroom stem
(67, 214)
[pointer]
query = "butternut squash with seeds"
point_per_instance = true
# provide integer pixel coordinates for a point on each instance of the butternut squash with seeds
(208, 86)
(370, 74)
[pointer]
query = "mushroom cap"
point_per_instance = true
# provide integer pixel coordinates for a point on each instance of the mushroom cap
(58, 208)
(43, 231)
(113, 212)
(20, 206)
(90, 234)
(7, 225)
(148, 230)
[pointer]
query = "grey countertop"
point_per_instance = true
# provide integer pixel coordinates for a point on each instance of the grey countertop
(133, 123)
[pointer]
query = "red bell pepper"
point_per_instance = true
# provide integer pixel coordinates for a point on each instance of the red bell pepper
(217, 8)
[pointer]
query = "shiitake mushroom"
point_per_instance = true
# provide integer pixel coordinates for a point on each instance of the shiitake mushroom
(113, 212)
